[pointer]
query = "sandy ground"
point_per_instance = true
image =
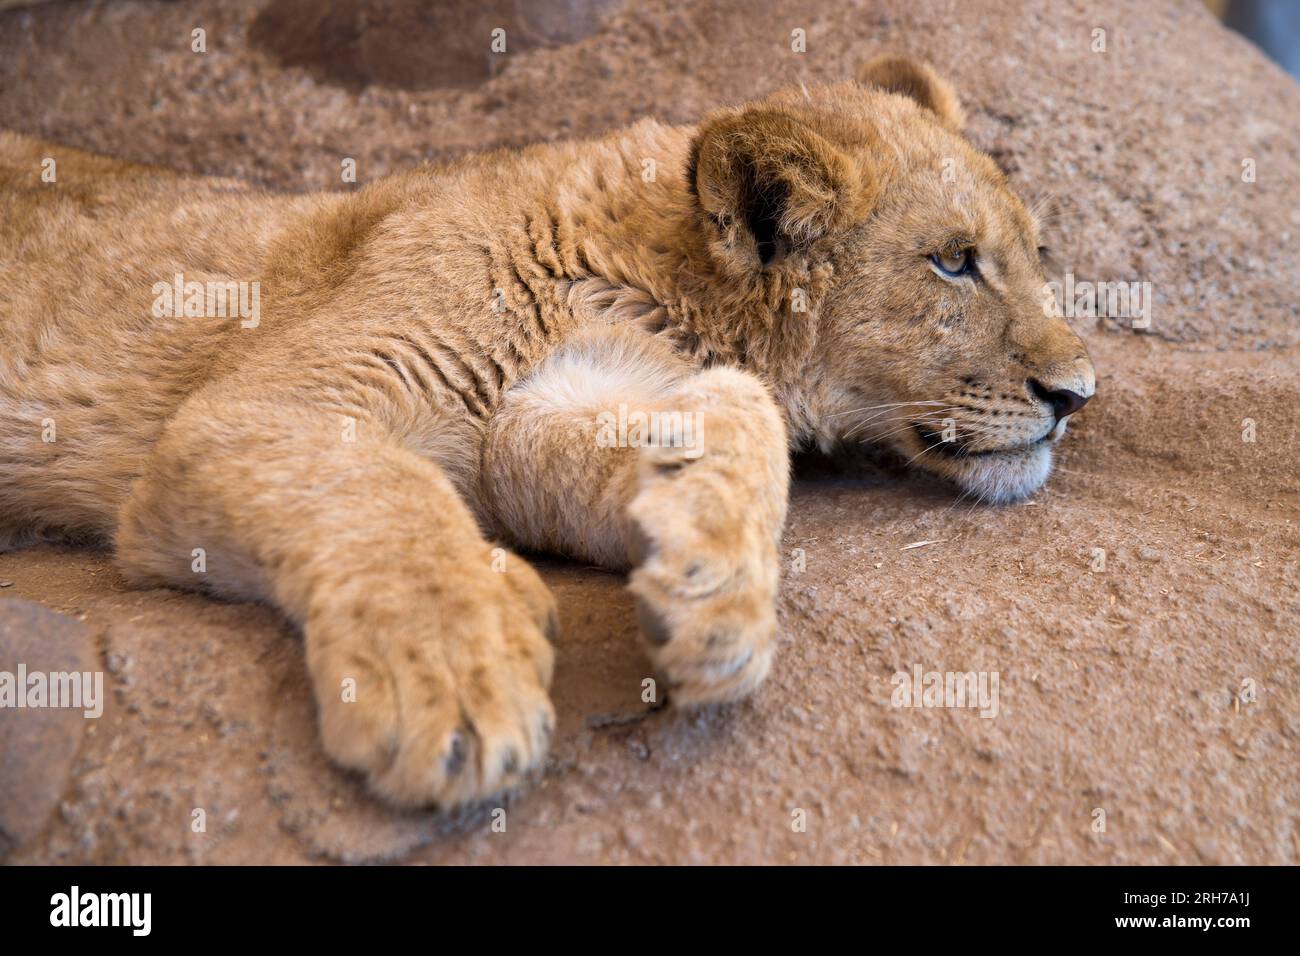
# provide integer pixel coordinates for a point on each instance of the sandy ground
(1162, 690)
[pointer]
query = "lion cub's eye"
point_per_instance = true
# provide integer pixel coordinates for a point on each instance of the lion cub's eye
(954, 263)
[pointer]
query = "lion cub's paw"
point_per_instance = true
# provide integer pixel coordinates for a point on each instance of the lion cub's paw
(705, 579)
(441, 700)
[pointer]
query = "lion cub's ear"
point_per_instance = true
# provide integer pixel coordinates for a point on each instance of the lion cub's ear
(766, 178)
(917, 81)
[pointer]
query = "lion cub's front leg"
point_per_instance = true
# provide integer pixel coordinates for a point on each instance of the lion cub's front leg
(430, 660)
(632, 459)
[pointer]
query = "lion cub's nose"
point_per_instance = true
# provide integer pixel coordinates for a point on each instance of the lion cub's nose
(1063, 401)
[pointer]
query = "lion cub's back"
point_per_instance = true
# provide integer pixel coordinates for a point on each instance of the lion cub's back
(88, 371)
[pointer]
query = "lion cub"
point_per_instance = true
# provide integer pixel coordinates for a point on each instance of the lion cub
(333, 403)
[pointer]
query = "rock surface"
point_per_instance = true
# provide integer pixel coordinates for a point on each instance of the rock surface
(1160, 688)
(37, 744)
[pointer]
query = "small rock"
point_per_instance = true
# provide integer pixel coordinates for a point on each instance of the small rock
(37, 745)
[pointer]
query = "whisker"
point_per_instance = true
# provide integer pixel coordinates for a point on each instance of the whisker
(956, 501)
(903, 428)
(919, 454)
(924, 419)
(869, 408)
(885, 413)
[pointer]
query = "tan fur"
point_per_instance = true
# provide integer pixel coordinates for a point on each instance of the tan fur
(435, 363)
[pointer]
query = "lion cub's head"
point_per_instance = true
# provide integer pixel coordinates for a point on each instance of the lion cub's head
(924, 327)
